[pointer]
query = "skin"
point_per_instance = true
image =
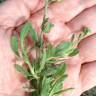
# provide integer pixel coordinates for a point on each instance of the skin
(81, 68)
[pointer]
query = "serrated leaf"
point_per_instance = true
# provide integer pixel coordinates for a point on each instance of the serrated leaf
(20, 69)
(74, 52)
(14, 44)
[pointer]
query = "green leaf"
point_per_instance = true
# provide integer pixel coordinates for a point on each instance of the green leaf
(58, 87)
(24, 33)
(33, 33)
(74, 52)
(49, 71)
(14, 44)
(60, 70)
(22, 70)
(27, 28)
(63, 49)
(63, 46)
(45, 86)
(86, 30)
(56, 83)
(43, 60)
(50, 51)
(62, 91)
(46, 25)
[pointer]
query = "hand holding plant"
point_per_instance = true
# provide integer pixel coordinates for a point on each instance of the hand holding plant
(44, 76)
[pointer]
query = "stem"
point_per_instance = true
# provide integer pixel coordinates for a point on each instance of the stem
(45, 16)
(32, 70)
(46, 8)
(27, 61)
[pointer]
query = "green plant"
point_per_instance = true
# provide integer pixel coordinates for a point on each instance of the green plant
(47, 71)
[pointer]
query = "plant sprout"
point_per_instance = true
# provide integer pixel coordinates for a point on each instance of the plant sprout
(45, 78)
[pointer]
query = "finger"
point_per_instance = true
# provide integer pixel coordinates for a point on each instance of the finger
(15, 12)
(34, 5)
(87, 49)
(86, 18)
(10, 79)
(58, 16)
(73, 80)
(63, 12)
(68, 9)
(88, 75)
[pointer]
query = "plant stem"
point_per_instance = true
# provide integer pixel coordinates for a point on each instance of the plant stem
(32, 70)
(46, 8)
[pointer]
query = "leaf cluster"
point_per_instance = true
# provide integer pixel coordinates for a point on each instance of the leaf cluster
(44, 76)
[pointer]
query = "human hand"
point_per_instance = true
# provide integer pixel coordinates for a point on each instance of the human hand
(61, 32)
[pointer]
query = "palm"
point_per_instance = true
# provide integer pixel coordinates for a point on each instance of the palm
(79, 73)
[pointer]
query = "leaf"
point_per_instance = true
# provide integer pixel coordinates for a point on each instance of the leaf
(46, 25)
(50, 51)
(24, 33)
(56, 83)
(63, 46)
(63, 49)
(60, 70)
(14, 44)
(33, 34)
(86, 30)
(62, 91)
(45, 86)
(27, 28)
(22, 70)
(58, 87)
(74, 52)
(43, 60)
(49, 71)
